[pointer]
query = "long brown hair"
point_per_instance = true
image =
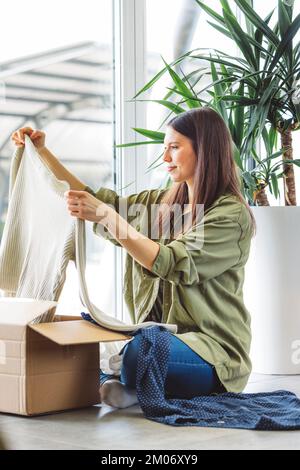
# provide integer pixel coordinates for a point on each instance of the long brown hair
(215, 172)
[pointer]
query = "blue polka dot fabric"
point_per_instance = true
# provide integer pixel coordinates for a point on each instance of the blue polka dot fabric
(87, 317)
(279, 410)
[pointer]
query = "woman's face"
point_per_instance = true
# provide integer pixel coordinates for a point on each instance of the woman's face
(179, 156)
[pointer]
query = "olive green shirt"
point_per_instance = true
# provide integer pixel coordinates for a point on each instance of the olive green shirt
(1, 444)
(202, 288)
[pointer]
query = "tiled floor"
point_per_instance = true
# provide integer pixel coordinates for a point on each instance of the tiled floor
(108, 428)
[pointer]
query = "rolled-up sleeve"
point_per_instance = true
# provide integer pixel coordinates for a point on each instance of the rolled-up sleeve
(200, 254)
(108, 196)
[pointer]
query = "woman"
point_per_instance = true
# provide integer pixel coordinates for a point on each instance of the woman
(193, 276)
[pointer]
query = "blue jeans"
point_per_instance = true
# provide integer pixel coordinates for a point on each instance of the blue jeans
(188, 374)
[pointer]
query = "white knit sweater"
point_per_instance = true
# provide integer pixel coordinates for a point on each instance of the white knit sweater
(40, 238)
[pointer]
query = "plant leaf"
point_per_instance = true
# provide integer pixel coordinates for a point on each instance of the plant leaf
(134, 144)
(168, 104)
(257, 21)
(211, 12)
(239, 118)
(240, 38)
(218, 92)
(274, 184)
(155, 135)
(181, 86)
(286, 42)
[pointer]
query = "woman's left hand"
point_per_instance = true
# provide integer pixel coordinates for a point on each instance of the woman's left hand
(83, 205)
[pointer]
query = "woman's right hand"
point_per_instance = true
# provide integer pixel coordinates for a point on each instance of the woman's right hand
(37, 137)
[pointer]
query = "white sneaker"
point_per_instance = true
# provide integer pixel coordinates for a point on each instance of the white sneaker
(116, 394)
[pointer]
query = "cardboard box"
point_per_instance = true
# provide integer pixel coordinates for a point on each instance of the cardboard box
(48, 367)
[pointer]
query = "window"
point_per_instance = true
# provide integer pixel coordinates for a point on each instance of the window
(57, 75)
(174, 27)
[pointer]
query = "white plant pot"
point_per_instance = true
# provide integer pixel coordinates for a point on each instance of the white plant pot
(272, 290)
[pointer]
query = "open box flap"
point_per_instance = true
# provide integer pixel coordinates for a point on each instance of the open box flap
(22, 311)
(76, 332)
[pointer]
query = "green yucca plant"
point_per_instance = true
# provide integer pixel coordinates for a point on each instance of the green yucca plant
(256, 94)
(254, 181)
(269, 67)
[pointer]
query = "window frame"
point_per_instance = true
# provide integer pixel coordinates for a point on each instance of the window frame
(129, 49)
